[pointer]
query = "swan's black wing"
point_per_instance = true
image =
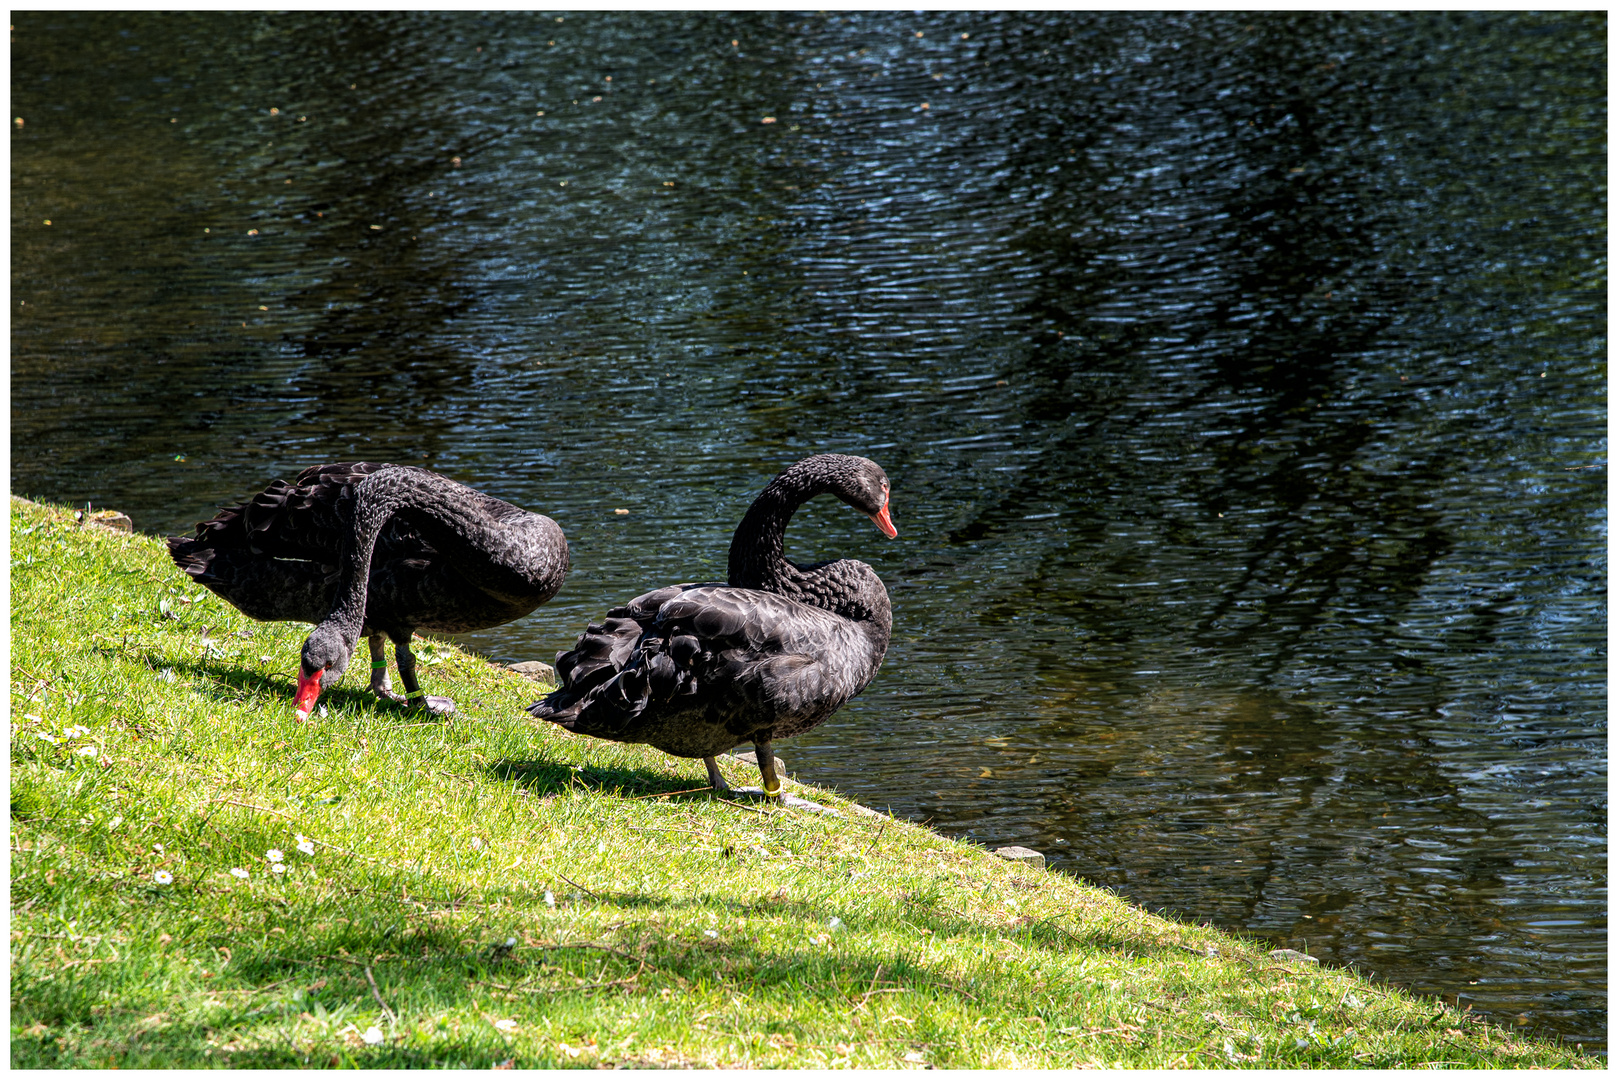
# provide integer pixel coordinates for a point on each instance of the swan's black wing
(697, 669)
(277, 556)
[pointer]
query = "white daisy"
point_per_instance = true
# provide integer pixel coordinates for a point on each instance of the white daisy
(163, 877)
(274, 854)
(239, 872)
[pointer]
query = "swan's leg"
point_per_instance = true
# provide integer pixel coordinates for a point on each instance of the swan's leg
(715, 781)
(766, 769)
(379, 670)
(415, 696)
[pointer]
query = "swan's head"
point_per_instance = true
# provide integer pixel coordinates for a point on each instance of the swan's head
(864, 486)
(325, 658)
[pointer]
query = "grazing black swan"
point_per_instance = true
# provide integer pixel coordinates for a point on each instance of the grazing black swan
(697, 669)
(380, 551)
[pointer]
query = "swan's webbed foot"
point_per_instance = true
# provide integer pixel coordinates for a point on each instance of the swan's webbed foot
(432, 706)
(415, 699)
(753, 794)
(715, 780)
(770, 792)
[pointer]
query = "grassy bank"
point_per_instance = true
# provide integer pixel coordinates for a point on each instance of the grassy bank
(484, 889)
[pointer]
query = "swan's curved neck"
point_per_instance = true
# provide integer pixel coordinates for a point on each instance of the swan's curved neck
(756, 549)
(845, 586)
(757, 559)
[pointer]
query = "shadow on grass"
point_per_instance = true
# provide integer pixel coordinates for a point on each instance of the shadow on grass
(188, 1046)
(543, 778)
(277, 687)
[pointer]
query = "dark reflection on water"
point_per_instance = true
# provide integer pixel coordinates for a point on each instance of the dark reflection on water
(1240, 377)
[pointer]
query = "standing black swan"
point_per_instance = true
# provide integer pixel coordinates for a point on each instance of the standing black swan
(379, 551)
(697, 669)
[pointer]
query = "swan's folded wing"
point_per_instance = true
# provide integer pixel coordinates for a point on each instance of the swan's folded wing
(721, 617)
(764, 653)
(692, 658)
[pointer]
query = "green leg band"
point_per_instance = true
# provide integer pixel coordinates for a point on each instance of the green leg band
(378, 665)
(416, 694)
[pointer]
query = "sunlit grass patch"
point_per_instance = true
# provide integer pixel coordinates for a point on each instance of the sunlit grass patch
(199, 879)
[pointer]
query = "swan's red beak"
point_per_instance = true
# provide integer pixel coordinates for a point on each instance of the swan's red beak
(884, 522)
(308, 691)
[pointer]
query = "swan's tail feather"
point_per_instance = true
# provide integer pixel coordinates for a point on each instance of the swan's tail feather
(615, 672)
(191, 556)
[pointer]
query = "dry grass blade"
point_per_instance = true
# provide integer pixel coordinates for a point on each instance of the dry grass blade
(393, 1018)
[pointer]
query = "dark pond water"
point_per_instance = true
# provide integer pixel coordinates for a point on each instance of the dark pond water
(1241, 379)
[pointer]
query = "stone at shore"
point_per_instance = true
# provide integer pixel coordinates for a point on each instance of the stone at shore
(1293, 955)
(1026, 856)
(106, 519)
(538, 670)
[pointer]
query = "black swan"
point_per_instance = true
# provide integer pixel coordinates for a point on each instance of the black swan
(697, 669)
(380, 551)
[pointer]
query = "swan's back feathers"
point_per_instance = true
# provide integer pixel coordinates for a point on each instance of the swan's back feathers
(280, 555)
(307, 519)
(697, 669)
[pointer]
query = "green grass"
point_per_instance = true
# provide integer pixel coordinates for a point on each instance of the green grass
(644, 929)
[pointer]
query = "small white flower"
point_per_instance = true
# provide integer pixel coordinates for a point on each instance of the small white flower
(306, 846)
(711, 933)
(87, 751)
(835, 923)
(506, 1025)
(163, 877)
(511, 942)
(477, 844)
(77, 731)
(47, 736)
(278, 868)
(31, 716)
(158, 848)
(550, 898)
(274, 854)
(238, 872)
(323, 716)
(372, 1036)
